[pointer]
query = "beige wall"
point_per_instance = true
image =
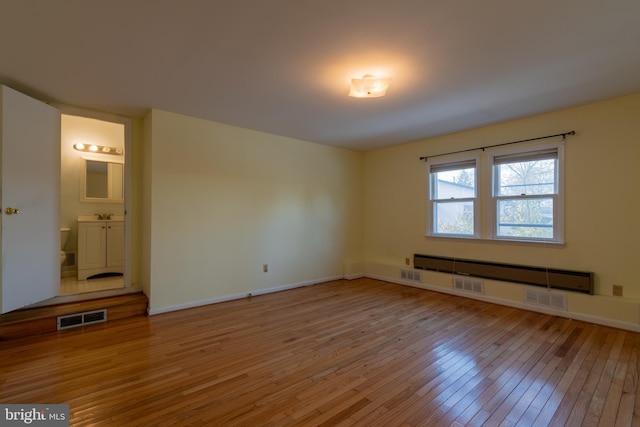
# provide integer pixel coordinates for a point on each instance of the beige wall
(222, 201)
(601, 210)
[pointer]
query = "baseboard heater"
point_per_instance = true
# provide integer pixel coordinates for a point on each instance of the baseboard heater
(578, 281)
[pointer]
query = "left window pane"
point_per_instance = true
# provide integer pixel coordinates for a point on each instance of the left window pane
(453, 200)
(455, 184)
(454, 218)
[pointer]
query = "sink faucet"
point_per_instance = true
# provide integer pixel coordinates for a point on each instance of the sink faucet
(102, 217)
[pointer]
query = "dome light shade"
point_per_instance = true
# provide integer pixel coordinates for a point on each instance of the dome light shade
(369, 86)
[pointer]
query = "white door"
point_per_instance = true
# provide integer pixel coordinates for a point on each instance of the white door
(30, 186)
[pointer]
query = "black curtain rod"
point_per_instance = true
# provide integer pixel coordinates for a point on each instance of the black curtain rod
(573, 132)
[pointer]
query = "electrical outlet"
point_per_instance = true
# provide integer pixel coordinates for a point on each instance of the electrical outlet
(617, 290)
(265, 267)
(407, 261)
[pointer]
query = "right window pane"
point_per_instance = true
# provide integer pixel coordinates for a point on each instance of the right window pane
(525, 191)
(527, 178)
(526, 218)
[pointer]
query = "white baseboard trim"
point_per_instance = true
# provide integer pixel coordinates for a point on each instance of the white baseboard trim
(193, 304)
(295, 285)
(515, 304)
(354, 276)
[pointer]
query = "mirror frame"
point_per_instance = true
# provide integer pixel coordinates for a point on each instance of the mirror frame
(83, 183)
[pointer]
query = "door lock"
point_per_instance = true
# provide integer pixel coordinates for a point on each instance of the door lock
(11, 211)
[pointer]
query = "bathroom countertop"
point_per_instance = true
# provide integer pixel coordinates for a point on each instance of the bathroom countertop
(94, 218)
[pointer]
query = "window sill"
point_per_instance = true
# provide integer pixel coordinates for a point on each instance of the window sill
(531, 243)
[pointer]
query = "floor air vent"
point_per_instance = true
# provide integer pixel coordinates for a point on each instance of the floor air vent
(411, 275)
(546, 298)
(80, 319)
(468, 284)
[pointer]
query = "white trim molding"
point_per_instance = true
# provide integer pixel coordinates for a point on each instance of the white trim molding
(199, 303)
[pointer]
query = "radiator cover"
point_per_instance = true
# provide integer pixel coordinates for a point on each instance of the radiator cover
(577, 281)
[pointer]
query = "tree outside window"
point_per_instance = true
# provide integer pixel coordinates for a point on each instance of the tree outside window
(525, 197)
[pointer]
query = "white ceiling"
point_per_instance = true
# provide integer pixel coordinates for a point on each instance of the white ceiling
(284, 66)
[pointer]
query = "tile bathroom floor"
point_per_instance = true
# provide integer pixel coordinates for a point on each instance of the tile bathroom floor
(71, 285)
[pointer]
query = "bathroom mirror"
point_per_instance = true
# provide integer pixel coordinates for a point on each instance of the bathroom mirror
(102, 182)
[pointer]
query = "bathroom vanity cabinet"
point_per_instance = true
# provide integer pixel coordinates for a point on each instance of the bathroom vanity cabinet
(100, 247)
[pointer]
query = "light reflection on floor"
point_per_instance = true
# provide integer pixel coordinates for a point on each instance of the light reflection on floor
(462, 368)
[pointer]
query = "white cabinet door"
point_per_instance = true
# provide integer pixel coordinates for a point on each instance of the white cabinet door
(115, 244)
(30, 184)
(92, 245)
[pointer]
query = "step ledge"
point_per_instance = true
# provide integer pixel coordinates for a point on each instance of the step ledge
(39, 313)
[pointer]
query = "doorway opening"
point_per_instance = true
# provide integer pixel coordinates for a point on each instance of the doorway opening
(94, 192)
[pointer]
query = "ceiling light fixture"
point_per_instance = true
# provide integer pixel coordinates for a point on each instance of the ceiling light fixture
(369, 86)
(92, 148)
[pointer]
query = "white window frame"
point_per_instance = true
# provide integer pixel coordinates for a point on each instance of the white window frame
(557, 197)
(485, 203)
(432, 202)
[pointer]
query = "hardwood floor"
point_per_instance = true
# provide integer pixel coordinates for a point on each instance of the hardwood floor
(361, 352)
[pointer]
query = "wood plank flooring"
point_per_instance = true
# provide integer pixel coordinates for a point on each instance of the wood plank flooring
(361, 352)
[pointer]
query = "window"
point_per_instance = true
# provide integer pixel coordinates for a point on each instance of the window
(453, 198)
(526, 195)
(521, 191)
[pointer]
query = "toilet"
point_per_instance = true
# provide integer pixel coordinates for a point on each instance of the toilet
(64, 235)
